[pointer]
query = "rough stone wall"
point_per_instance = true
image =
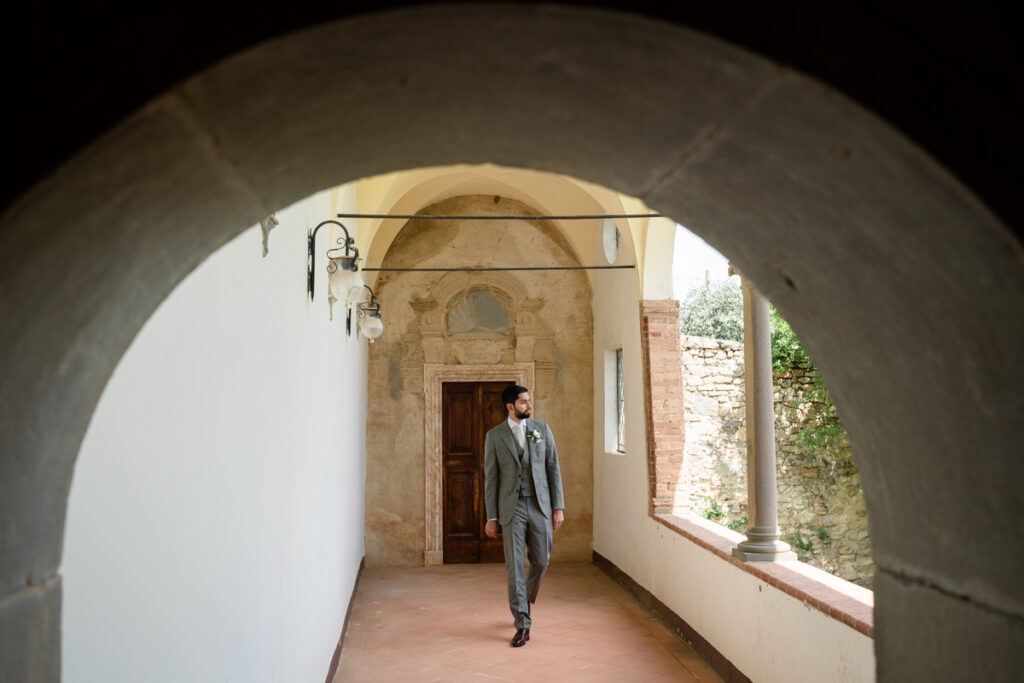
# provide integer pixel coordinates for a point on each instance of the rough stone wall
(551, 325)
(821, 504)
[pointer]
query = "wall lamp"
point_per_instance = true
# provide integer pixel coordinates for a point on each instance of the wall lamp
(343, 269)
(344, 282)
(370, 324)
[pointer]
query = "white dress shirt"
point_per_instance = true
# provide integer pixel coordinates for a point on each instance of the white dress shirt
(518, 431)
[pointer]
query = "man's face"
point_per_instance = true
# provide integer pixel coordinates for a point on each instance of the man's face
(522, 407)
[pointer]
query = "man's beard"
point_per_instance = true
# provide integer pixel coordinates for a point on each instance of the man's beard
(521, 416)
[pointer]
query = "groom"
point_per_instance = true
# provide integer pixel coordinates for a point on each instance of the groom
(523, 491)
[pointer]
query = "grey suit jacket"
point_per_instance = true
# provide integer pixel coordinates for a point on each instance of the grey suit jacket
(502, 468)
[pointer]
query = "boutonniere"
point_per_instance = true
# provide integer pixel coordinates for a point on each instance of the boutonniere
(535, 436)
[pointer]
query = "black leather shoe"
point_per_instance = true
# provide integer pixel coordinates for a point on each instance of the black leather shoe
(519, 639)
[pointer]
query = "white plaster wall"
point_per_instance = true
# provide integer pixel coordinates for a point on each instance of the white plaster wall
(215, 522)
(768, 635)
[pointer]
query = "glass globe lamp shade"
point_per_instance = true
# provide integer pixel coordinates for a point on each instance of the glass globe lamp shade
(345, 282)
(356, 292)
(371, 326)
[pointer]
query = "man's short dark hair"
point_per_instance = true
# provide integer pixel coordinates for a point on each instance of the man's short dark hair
(511, 393)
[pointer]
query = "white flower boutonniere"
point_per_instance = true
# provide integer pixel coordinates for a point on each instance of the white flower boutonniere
(534, 436)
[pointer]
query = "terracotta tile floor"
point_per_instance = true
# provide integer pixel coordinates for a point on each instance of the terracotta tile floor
(452, 623)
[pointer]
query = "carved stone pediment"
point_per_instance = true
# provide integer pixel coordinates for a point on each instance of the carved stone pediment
(481, 351)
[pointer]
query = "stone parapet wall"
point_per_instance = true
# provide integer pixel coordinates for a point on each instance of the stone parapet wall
(821, 504)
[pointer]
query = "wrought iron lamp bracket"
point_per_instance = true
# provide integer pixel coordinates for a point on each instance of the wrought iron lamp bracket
(371, 307)
(348, 242)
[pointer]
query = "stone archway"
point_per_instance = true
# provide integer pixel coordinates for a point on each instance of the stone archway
(868, 247)
(428, 342)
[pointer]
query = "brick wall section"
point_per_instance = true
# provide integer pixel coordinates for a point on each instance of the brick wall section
(663, 404)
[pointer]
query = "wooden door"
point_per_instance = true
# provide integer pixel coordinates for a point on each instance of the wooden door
(469, 409)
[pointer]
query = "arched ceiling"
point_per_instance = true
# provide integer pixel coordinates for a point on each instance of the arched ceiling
(406, 192)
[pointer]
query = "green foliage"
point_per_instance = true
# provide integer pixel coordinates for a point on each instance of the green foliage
(713, 310)
(738, 524)
(823, 533)
(823, 430)
(713, 509)
(798, 541)
(786, 349)
(820, 436)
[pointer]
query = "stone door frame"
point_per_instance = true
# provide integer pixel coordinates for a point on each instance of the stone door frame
(434, 375)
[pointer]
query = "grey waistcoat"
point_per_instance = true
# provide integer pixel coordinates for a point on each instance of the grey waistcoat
(525, 472)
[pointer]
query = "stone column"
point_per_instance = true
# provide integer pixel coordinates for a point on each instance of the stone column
(762, 542)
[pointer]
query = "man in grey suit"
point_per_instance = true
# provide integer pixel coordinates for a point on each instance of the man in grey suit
(523, 491)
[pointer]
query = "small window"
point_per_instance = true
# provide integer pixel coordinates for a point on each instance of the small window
(620, 405)
(614, 402)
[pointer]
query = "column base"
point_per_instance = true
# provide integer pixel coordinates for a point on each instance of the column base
(764, 551)
(775, 556)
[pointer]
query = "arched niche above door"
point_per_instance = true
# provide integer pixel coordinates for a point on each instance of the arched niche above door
(477, 312)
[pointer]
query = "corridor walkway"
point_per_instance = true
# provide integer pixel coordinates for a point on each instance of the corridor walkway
(452, 623)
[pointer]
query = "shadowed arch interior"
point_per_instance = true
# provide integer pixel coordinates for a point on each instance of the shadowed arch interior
(891, 272)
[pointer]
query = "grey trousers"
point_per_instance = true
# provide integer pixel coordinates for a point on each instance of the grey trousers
(527, 535)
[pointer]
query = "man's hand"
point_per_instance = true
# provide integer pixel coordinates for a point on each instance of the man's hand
(557, 517)
(491, 528)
